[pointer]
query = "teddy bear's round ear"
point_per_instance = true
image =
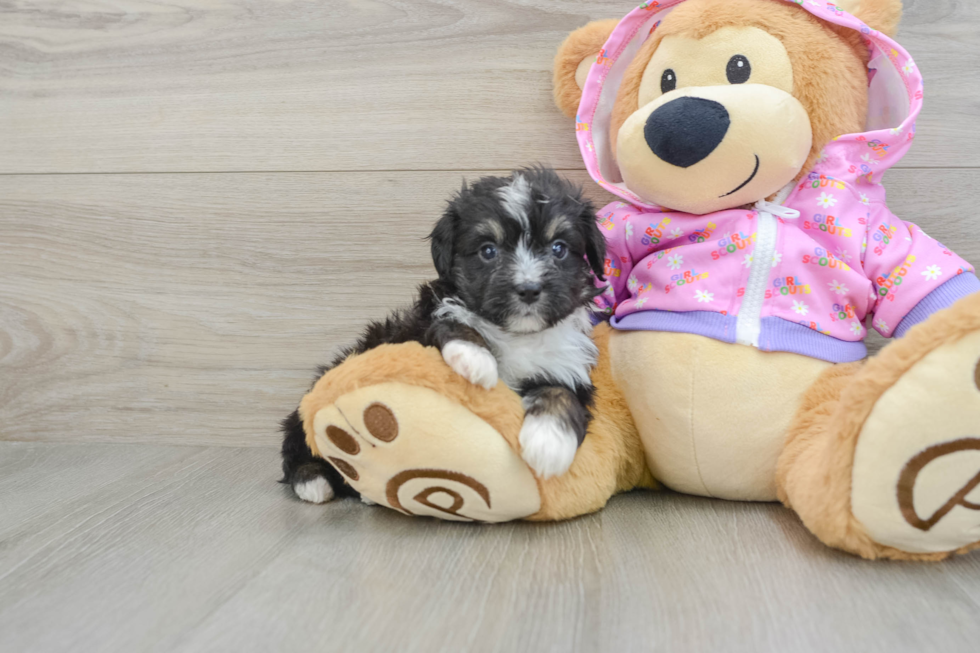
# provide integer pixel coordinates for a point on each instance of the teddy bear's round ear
(882, 15)
(575, 57)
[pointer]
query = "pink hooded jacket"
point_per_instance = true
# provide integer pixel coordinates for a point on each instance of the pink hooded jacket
(800, 274)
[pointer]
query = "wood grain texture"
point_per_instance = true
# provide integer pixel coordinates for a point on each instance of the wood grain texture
(177, 85)
(141, 311)
(192, 308)
(198, 549)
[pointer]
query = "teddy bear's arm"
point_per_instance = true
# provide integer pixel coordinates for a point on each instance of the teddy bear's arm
(614, 222)
(912, 274)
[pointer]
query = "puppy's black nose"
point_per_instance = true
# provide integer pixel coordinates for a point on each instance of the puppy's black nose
(686, 130)
(529, 292)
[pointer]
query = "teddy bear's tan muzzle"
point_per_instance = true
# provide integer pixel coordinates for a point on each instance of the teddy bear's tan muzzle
(705, 149)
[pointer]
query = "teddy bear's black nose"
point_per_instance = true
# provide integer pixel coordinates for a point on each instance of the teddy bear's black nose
(686, 130)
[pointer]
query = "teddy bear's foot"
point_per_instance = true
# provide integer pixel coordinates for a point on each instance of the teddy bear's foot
(883, 458)
(916, 477)
(417, 451)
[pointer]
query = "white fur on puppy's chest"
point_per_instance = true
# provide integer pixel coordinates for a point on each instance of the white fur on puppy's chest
(564, 353)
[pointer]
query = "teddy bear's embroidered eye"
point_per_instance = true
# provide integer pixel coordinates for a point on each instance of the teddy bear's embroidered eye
(739, 70)
(668, 82)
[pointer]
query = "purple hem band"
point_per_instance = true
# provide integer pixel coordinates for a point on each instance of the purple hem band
(777, 334)
(782, 335)
(942, 297)
(703, 323)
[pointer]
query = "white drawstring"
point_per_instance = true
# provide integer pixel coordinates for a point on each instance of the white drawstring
(777, 210)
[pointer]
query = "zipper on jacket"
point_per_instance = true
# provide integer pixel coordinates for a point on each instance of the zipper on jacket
(749, 323)
(748, 326)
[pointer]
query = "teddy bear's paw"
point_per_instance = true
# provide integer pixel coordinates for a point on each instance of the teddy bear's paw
(548, 446)
(916, 475)
(472, 362)
(414, 450)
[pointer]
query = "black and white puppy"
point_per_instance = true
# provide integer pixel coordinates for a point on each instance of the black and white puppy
(515, 258)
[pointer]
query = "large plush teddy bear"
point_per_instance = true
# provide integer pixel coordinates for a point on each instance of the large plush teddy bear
(748, 139)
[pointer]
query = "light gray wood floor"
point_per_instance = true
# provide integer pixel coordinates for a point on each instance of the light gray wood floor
(199, 201)
(114, 547)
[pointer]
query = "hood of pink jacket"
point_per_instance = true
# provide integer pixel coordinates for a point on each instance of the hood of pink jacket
(801, 275)
(895, 99)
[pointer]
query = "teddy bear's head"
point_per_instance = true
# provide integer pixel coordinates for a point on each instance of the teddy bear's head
(724, 102)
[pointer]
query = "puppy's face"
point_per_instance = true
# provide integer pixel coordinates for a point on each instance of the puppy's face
(520, 250)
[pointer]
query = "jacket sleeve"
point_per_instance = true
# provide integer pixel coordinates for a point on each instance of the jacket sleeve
(912, 274)
(614, 223)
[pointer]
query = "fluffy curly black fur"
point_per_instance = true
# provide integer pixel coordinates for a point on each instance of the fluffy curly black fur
(515, 256)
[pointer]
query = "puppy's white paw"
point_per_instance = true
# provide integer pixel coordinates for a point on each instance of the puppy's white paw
(317, 490)
(472, 362)
(367, 502)
(547, 445)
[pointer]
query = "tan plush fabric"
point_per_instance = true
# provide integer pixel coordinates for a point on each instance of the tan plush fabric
(685, 392)
(416, 450)
(931, 413)
(882, 15)
(766, 122)
(832, 88)
(610, 460)
(712, 416)
(814, 474)
(416, 365)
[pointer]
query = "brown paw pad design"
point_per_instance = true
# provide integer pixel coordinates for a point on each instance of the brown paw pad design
(343, 440)
(444, 491)
(437, 489)
(915, 483)
(910, 474)
(415, 451)
(379, 421)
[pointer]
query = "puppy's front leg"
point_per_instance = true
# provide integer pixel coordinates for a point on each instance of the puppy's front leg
(555, 421)
(465, 351)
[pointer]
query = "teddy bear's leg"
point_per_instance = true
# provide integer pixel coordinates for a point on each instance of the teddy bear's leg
(883, 459)
(712, 416)
(410, 434)
(611, 458)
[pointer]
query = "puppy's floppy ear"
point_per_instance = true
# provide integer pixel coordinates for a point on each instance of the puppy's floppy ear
(575, 57)
(595, 242)
(442, 239)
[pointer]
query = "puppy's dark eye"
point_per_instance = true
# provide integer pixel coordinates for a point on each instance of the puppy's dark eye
(668, 81)
(488, 252)
(739, 70)
(559, 249)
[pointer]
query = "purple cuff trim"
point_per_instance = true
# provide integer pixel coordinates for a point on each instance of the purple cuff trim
(942, 297)
(781, 335)
(703, 323)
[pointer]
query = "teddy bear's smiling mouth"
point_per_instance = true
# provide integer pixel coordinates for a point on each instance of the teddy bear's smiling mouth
(746, 182)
